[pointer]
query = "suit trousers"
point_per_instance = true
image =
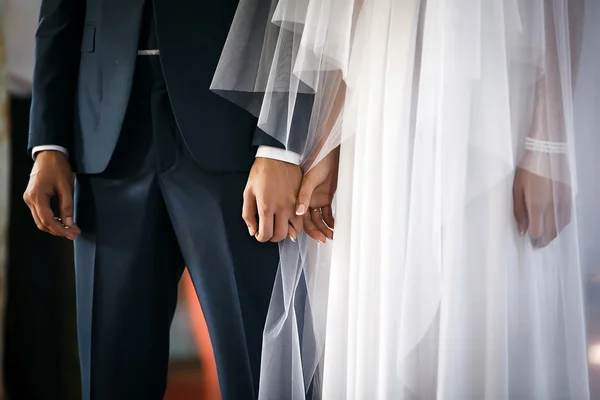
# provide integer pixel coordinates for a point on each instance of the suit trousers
(150, 213)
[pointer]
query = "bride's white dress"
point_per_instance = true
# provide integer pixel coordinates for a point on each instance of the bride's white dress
(429, 290)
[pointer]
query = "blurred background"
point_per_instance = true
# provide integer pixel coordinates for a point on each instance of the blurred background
(37, 290)
(37, 294)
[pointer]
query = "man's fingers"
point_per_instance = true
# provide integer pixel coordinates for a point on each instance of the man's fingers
(292, 234)
(48, 220)
(65, 201)
(297, 222)
(265, 224)
(29, 201)
(296, 225)
(32, 199)
(309, 182)
(249, 212)
(281, 228)
(50, 176)
(317, 219)
(520, 208)
(312, 231)
(37, 220)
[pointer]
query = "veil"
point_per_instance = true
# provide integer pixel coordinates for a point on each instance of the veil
(284, 61)
(456, 269)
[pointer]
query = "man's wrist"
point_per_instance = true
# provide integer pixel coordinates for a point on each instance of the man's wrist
(278, 154)
(50, 147)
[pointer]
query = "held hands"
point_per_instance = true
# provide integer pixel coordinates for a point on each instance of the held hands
(51, 176)
(275, 187)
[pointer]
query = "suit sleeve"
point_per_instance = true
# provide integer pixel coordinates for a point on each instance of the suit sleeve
(57, 54)
(262, 139)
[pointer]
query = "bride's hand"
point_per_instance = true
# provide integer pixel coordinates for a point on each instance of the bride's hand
(315, 197)
(542, 200)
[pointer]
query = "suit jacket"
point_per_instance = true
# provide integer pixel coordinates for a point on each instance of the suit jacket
(85, 59)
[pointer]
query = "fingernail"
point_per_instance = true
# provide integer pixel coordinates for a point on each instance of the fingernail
(301, 209)
(521, 230)
(251, 231)
(69, 221)
(293, 239)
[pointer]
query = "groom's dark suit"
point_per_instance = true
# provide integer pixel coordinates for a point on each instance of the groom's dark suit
(161, 163)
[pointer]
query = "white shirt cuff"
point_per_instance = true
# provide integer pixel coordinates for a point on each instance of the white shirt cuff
(278, 154)
(48, 147)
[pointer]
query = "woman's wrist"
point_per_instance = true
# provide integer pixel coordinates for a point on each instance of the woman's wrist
(553, 166)
(533, 144)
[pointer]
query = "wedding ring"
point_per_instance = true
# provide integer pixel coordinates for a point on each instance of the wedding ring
(59, 220)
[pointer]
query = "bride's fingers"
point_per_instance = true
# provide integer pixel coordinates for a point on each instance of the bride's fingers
(520, 207)
(328, 217)
(535, 213)
(563, 217)
(309, 183)
(311, 230)
(550, 228)
(317, 218)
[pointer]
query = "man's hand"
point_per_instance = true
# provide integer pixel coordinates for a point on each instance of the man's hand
(271, 194)
(51, 176)
(542, 205)
(315, 198)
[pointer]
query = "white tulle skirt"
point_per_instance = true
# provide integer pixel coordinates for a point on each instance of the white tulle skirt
(434, 293)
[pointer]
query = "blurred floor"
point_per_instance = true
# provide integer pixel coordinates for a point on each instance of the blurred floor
(192, 371)
(185, 382)
(194, 378)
